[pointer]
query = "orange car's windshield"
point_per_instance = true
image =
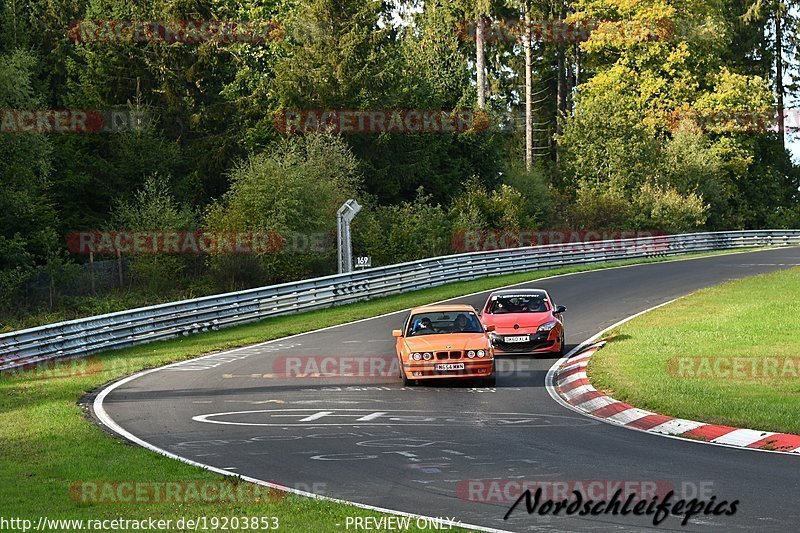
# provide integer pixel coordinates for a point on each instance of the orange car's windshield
(449, 322)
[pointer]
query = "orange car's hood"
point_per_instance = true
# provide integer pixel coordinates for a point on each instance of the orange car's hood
(447, 341)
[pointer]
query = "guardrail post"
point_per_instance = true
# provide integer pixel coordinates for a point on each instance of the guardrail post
(344, 246)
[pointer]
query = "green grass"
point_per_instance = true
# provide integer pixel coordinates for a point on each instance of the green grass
(47, 443)
(755, 318)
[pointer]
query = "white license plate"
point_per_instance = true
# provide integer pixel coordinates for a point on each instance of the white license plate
(450, 366)
(518, 338)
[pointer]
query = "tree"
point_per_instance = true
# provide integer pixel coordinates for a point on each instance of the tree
(407, 231)
(782, 13)
(295, 187)
(662, 109)
(154, 208)
(479, 209)
(27, 217)
(526, 43)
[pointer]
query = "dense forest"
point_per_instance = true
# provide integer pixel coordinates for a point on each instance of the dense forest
(584, 114)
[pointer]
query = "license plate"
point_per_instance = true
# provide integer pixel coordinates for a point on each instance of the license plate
(518, 338)
(450, 366)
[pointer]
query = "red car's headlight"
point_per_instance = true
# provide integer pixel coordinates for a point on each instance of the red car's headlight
(547, 326)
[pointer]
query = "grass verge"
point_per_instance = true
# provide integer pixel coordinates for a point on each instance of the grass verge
(728, 354)
(48, 444)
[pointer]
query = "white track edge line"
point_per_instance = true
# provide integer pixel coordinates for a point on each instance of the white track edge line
(104, 417)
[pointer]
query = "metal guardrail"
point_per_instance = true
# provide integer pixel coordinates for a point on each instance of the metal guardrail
(81, 337)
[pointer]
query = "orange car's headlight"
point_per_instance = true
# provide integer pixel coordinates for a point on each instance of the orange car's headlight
(427, 356)
(471, 354)
(481, 353)
(416, 356)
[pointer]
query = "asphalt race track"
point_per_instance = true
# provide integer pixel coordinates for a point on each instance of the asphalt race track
(369, 440)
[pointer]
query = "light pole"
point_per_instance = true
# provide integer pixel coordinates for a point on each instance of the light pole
(344, 246)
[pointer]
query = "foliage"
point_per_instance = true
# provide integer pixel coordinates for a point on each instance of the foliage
(27, 216)
(297, 188)
(667, 209)
(648, 108)
(478, 209)
(404, 232)
(153, 208)
(668, 116)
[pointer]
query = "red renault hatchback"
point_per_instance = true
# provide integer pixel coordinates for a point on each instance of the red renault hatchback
(525, 321)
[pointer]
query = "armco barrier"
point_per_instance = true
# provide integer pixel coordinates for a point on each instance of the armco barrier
(77, 338)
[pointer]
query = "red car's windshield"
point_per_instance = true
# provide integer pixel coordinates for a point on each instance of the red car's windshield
(518, 304)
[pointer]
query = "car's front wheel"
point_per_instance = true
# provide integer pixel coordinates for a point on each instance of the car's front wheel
(406, 382)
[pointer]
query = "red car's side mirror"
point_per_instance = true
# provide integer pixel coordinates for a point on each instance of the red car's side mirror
(397, 333)
(490, 327)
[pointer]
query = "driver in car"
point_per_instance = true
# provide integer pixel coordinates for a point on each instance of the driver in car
(460, 323)
(515, 305)
(425, 326)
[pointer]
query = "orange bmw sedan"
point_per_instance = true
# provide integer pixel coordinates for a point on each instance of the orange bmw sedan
(444, 341)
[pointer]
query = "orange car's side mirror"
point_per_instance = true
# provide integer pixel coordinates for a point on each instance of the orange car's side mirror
(397, 333)
(490, 327)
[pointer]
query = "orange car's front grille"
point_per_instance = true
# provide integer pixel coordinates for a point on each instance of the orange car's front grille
(448, 355)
